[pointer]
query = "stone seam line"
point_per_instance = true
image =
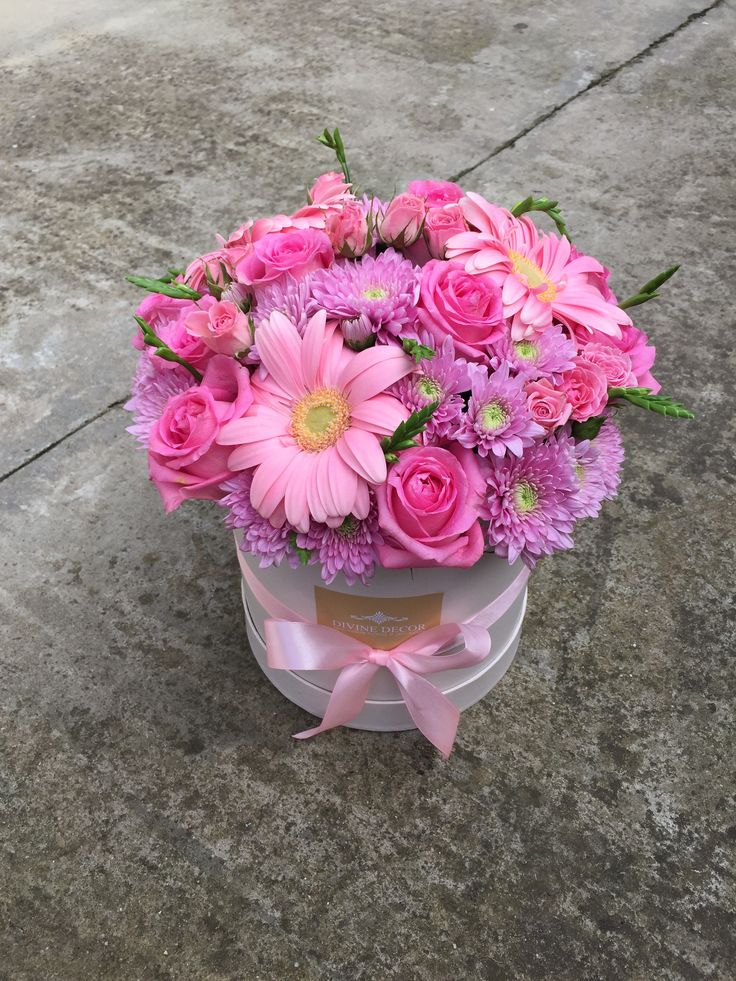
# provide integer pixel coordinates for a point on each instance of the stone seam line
(601, 79)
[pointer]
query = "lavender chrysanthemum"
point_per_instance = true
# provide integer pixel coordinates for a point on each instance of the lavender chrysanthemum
(152, 389)
(530, 503)
(542, 356)
(383, 288)
(271, 545)
(349, 548)
(590, 489)
(438, 379)
(498, 418)
(611, 456)
(288, 296)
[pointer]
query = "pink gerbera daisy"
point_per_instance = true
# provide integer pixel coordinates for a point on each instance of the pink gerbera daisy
(540, 277)
(313, 432)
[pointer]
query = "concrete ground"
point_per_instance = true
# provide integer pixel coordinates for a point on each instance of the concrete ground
(156, 818)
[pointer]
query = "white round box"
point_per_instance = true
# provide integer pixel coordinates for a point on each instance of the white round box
(464, 592)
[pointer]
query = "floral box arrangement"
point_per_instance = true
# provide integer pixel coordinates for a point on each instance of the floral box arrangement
(401, 406)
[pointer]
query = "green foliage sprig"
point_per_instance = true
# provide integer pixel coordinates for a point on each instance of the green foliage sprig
(588, 429)
(542, 204)
(649, 290)
(404, 435)
(663, 405)
(177, 291)
(333, 141)
(304, 554)
(163, 350)
(416, 350)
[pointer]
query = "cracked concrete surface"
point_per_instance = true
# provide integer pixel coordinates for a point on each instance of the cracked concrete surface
(156, 819)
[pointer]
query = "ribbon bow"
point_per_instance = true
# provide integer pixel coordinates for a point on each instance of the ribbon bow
(313, 647)
(293, 644)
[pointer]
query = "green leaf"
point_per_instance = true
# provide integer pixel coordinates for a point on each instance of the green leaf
(177, 291)
(405, 434)
(304, 554)
(163, 350)
(663, 405)
(416, 350)
(542, 204)
(588, 429)
(649, 290)
(333, 141)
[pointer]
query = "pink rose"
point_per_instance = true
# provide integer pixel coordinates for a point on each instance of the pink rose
(641, 353)
(436, 193)
(212, 264)
(452, 303)
(160, 311)
(440, 225)
(167, 318)
(298, 252)
(184, 461)
(222, 326)
(401, 223)
(548, 406)
(348, 230)
(428, 509)
(327, 196)
(615, 364)
(586, 389)
(329, 188)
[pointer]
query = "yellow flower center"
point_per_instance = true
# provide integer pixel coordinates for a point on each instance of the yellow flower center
(534, 276)
(319, 419)
(375, 293)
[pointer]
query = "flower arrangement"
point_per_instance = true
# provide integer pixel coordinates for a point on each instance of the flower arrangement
(404, 383)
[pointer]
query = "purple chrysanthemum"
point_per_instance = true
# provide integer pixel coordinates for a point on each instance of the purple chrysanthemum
(271, 545)
(288, 296)
(349, 548)
(529, 504)
(383, 288)
(152, 389)
(498, 418)
(542, 356)
(611, 456)
(438, 379)
(590, 489)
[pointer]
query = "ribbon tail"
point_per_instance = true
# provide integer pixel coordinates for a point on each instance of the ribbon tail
(436, 715)
(347, 698)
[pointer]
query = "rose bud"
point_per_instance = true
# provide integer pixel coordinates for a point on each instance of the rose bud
(402, 221)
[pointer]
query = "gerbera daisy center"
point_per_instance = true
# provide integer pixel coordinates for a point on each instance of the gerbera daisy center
(319, 419)
(525, 497)
(534, 276)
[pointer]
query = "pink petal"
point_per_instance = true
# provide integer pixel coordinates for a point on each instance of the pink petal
(362, 452)
(380, 415)
(264, 424)
(372, 372)
(344, 486)
(362, 501)
(252, 454)
(272, 478)
(513, 290)
(280, 348)
(312, 348)
(295, 498)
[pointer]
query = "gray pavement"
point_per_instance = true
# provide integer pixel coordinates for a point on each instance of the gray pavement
(156, 818)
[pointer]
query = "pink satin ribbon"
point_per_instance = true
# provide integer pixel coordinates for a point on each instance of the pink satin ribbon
(294, 644)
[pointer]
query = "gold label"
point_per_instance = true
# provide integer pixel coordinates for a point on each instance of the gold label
(382, 622)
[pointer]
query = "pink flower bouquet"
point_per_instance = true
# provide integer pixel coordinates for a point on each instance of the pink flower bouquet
(407, 384)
